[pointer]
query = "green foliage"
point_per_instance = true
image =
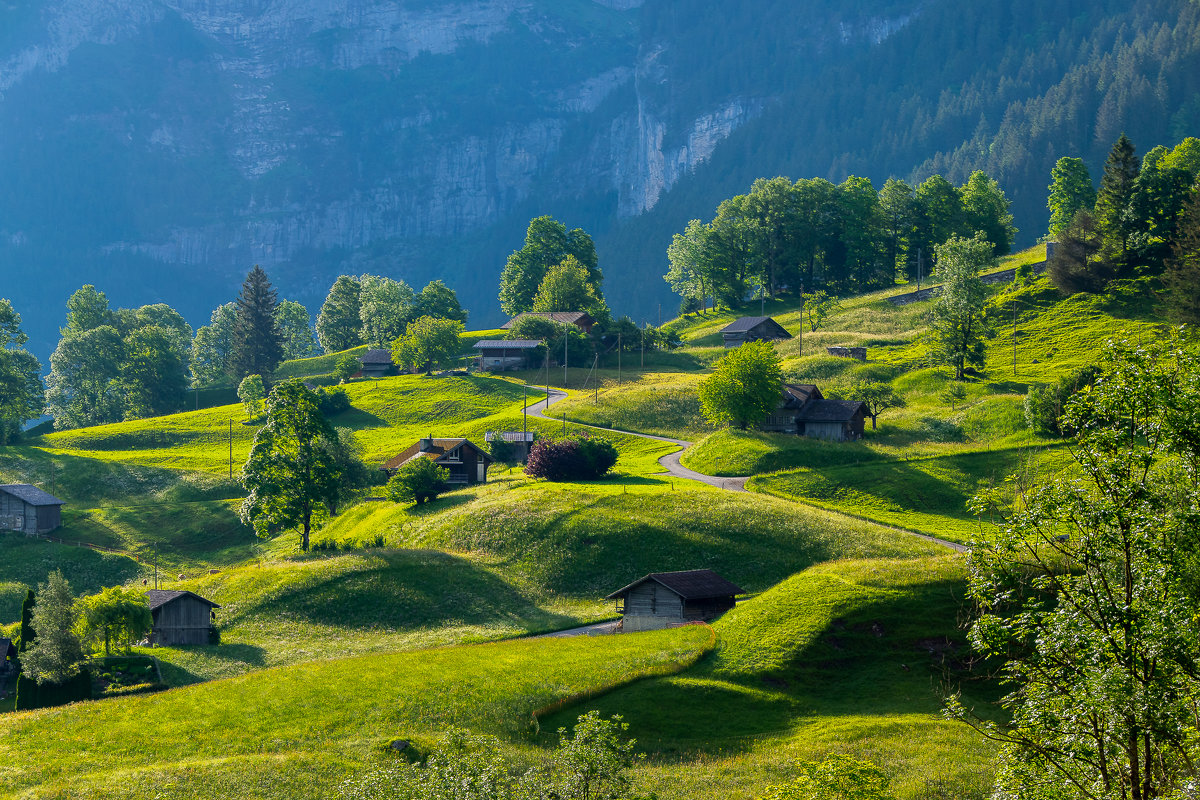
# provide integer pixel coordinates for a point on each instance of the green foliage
(1087, 592)
(576, 458)
(118, 615)
(417, 481)
(428, 342)
(385, 308)
(985, 209)
(547, 243)
(835, 778)
(1182, 276)
(347, 366)
(744, 388)
(56, 653)
(567, 287)
(31, 694)
(958, 328)
(257, 346)
(817, 307)
(1071, 191)
(291, 472)
(339, 320)
(27, 631)
(296, 330)
(213, 346)
(439, 301)
(251, 392)
(1044, 403)
(878, 396)
(21, 393)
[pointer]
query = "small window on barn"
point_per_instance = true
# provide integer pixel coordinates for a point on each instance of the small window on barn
(454, 456)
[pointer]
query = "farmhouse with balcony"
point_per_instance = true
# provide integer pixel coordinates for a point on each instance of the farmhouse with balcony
(29, 510)
(663, 599)
(466, 462)
(180, 618)
(753, 329)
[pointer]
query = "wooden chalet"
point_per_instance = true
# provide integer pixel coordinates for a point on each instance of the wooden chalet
(377, 364)
(580, 319)
(502, 354)
(753, 329)
(180, 618)
(28, 509)
(663, 599)
(804, 411)
(467, 462)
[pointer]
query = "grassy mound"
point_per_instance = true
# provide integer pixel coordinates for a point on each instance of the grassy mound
(663, 404)
(293, 732)
(847, 657)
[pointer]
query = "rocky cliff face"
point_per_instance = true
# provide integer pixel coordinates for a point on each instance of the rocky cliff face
(314, 136)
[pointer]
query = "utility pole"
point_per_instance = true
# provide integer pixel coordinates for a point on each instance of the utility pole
(918, 270)
(618, 358)
(643, 349)
(596, 387)
(800, 336)
(525, 415)
(231, 448)
(547, 378)
(564, 358)
(1014, 337)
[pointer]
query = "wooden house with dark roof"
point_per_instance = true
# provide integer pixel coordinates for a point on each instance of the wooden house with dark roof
(377, 364)
(752, 329)
(28, 509)
(795, 396)
(8, 655)
(180, 618)
(501, 354)
(663, 599)
(466, 462)
(580, 319)
(804, 411)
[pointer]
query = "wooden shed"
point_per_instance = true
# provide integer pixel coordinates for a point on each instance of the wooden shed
(377, 364)
(180, 617)
(466, 461)
(501, 354)
(28, 509)
(752, 329)
(795, 397)
(663, 599)
(837, 420)
(580, 319)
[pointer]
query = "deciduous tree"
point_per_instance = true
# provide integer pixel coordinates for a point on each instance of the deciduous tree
(958, 327)
(417, 481)
(291, 473)
(429, 342)
(1071, 190)
(296, 330)
(986, 209)
(566, 287)
(339, 322)
(547, 242)
(212, 346)
(117, 615)
(1182, 274)
(385, 309)
(251, 391)
(745, 387)
(878, 396)
(21, 393)
(55, 654)
(440, 301)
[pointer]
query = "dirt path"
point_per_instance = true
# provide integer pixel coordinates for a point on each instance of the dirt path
(670, 463)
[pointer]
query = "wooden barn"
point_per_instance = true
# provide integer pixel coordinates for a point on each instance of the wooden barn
(180, 618)
(795, 397)
(501, 354)
(580, 319)
(836, 420)
(663, 599)
(28, 509)
(467, 462)
(377, 364)
(752, 329)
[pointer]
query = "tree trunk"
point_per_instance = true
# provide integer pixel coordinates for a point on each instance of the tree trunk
(307, 523)
(873, 418)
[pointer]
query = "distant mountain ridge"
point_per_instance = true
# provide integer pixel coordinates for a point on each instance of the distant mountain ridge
(159, 148)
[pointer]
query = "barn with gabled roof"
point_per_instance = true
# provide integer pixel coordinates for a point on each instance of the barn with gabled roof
(752, 329)
(663, 599)
(180, 618)
(28, 509)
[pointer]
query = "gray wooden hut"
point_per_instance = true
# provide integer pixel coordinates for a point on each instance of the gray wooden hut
(377, 364)
(180, 617)
(752, 329)
(501, 354)
(795, 397)
(28, 509)
(836, 420)
(663, 599)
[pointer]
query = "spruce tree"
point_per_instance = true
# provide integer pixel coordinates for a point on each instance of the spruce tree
(1113, 220)
(257, 341)
(27, 631)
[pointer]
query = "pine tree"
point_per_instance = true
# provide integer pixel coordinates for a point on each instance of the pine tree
(1112, 202)
(257, 342)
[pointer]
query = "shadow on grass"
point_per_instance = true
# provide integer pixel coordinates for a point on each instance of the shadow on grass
(232, 654)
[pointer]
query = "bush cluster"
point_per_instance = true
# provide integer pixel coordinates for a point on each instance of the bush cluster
(574, 458)
(333, 400)
(1045, 402)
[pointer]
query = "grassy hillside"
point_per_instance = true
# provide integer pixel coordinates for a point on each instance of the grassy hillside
(293, 732)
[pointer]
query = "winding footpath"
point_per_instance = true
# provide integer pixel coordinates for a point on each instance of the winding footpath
(671, 464)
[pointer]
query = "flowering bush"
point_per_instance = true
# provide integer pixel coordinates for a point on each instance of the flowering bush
(576, 458)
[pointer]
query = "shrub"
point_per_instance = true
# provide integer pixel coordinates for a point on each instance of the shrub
(1044, 402)
(501, 450)
(576, 458)
(333, 400)
(418, 480)
(346, 366)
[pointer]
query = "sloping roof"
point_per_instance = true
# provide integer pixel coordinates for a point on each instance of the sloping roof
(434, 449)
(507, 344)
(561, 317)
(31, 494)
(830, 410)
(7, 649)
(797, 394)
(376, 357)
(692, 584)
(160, 597)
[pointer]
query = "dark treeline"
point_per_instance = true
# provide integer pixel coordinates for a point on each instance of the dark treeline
(845, 238)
